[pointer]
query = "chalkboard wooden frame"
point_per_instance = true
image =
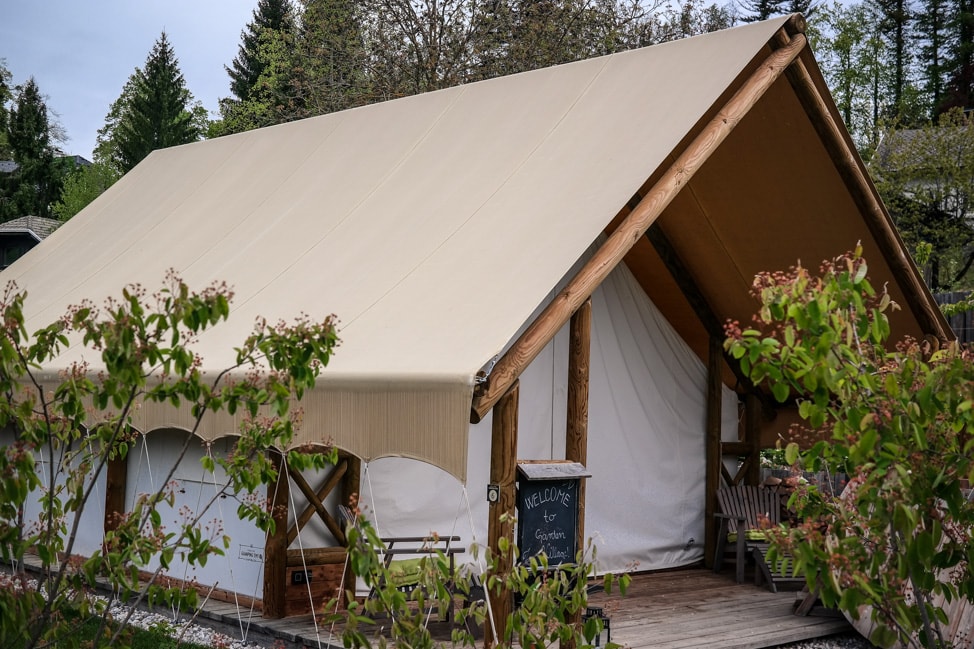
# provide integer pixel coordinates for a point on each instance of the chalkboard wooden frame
(547, 505)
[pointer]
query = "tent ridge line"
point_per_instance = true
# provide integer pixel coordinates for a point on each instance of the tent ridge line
(527, 347)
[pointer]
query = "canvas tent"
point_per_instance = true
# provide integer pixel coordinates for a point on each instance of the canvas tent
(464, 226)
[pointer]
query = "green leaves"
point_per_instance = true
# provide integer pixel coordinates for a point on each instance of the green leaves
(899, 417)
(67, 430)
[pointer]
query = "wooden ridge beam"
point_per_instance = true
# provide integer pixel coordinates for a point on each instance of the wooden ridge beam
(593, 273)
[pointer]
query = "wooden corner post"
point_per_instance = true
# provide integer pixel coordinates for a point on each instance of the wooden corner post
(713, 450)
(275, 547)
(500, 525)
(116, 479)
(576, 433)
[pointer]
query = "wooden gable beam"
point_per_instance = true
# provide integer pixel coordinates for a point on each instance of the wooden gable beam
(593, 273)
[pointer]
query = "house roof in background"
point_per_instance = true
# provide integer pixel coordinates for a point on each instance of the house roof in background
(37, 226)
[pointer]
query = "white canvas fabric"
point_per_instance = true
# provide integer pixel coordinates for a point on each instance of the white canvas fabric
(647, 416)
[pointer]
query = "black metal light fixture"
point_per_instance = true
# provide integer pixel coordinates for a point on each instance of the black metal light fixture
(594, 612)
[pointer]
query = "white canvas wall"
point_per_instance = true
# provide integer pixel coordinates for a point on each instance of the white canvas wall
(92, 518)
(240, 570)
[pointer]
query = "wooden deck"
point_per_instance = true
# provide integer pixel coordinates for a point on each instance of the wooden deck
(679, 609)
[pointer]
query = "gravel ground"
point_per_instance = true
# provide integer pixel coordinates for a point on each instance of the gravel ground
(187, 632)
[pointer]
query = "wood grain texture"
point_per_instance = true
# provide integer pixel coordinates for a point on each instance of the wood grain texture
(275, 548)
(500, 523)
(713, 448)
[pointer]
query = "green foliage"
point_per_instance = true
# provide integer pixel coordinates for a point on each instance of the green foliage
(80, 420)
(548, 599)
(32, 189)
(81, 187)
(346, 54)
(248, 65)
(926, 178)
(900, 536)
(154, 111)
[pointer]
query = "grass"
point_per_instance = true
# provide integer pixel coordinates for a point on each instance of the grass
(155, 638)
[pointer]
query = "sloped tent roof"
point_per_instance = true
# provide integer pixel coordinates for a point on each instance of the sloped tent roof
(434, 225)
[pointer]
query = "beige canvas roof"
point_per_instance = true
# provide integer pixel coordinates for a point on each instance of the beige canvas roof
(434, 225)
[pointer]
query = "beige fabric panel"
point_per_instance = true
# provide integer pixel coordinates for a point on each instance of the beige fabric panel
(432, 226)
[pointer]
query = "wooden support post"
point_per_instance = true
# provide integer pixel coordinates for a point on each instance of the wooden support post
(576, 433)
(752, 437)
(634, 226)
(500, 524)
(116, 479)
(351, 481)
(351, 488)
(713, 448)
(275, 548)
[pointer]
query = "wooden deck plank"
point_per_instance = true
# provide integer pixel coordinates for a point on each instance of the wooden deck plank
(680, 609)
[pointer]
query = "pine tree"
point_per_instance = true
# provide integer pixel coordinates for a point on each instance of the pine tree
(5, 96)
(249, 64)
(330, 61)
(160, 111)
(960, 92)
(896, 24)
(32, 189)
(931, 30)
(762, 9)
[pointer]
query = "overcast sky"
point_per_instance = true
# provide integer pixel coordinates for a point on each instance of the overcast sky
(81, 52)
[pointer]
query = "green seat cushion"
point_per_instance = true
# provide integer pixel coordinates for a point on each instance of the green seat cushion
(405, 572)
(750, 535)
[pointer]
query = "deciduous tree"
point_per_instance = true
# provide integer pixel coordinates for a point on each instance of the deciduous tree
(899, 418)
(80, 421)
(926, 178)
(82, 186)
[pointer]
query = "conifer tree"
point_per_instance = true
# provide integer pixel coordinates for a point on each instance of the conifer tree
(896, 25)
(932, 22)
(330, 63)
(249, 64)
(5, 96)
(960, 92)
(36, 184)
(762, 9)
(156, 110)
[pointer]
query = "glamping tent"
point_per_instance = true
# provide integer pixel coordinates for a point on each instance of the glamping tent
(457, 233)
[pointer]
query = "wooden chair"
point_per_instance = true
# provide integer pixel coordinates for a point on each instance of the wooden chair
(744, 511)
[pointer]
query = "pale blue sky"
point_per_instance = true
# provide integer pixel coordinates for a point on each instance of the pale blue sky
(81, 52)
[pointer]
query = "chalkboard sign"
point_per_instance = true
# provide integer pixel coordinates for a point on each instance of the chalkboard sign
(547, 519)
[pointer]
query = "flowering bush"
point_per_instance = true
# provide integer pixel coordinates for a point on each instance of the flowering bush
(899, 538)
